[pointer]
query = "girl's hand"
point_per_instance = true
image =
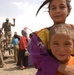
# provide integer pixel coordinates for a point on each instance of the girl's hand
(67, 70)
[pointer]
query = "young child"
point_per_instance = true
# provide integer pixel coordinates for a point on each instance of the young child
(40, 49)
(61, 44)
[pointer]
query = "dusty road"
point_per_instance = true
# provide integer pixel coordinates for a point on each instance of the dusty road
(11, 69)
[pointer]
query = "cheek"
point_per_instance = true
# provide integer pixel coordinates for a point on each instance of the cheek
(69, 50)
(65, 13)
(70, 47)
(51, 14)
(53, 49)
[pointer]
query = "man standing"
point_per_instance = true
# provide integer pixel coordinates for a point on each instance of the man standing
(7, 29)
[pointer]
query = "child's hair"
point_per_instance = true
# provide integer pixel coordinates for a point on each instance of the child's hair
(49, 2)
(61, 28)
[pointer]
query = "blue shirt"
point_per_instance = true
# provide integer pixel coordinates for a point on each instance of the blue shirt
(14, 41)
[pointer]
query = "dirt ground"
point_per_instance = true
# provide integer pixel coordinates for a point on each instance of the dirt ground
(11, 69)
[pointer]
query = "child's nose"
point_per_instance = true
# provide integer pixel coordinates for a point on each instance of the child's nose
(58, 10)
(61, 49)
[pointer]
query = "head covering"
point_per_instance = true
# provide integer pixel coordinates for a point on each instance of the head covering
(24, 33)
(43, 4)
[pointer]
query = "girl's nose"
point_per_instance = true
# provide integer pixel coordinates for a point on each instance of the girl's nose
(57, 10)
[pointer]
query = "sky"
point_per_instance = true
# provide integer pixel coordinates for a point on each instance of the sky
(24, 11)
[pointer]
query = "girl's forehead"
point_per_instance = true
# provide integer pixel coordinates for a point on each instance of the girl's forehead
(58, 1)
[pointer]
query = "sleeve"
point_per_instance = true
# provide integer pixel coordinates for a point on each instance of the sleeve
(43, 62)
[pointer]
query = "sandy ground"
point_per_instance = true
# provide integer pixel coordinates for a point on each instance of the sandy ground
(11, 69)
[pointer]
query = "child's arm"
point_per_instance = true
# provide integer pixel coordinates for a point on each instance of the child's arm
(45, 64)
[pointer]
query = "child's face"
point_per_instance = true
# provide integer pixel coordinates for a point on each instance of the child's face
(58, 11)
(61, 46)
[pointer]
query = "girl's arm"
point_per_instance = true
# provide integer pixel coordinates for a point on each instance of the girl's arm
(44, 64)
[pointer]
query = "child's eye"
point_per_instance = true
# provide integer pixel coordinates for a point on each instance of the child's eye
(55, 43)
(67, 44)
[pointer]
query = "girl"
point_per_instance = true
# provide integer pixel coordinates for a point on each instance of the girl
(40, 50)
(61, 44)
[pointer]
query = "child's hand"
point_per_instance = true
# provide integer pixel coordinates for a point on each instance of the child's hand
(67, 70)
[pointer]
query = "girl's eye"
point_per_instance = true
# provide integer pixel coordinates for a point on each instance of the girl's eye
(67, 44)
(62, 7)
(55, 44)
(53, 8)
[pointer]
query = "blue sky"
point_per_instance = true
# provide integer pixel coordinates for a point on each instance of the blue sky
(24, 12)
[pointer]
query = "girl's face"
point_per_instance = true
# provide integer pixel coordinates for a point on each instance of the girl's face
(61, 46)
(58, 11)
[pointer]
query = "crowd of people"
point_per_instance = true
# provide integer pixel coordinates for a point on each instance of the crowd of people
(17, 45)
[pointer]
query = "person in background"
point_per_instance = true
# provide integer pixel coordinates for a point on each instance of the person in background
(23, 44)
(2, 64)
(9, 44)
(58, 10)
(7, 29)
(15, 42)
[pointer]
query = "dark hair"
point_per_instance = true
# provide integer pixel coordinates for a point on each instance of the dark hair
(49, 1)
(24, 33)
(43, 4)
(30, 35)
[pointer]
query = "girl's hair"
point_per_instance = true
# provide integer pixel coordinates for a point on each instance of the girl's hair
(49, 1)
(61, 28)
